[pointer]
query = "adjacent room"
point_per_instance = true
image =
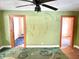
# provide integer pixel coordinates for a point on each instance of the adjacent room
(39, 29)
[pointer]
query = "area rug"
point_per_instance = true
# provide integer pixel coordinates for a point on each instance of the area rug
(32, 53)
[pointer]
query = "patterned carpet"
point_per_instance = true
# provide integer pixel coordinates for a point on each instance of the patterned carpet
(31, 53)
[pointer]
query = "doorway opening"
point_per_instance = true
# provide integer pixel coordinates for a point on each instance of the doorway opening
(18, 31)
(67, 31)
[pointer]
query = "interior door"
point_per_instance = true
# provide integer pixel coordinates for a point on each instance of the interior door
(18, 31)
(67, 24)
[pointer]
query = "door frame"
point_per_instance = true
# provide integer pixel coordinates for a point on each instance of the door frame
(12, 29)
(74, 22)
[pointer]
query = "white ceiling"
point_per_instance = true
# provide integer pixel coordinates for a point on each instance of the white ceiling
(62, 5)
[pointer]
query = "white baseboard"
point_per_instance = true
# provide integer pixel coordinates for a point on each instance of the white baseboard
(35, 46)
(5, 46)
(41, 46)
(76, 46)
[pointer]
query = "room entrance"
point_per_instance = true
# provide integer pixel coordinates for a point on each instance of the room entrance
(18, 31)
(66, 36)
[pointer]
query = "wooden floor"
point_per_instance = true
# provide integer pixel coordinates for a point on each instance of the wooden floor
(72, 53)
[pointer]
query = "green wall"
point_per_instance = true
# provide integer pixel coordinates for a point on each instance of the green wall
(77, 32)
(55, 18)
(2, 30)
